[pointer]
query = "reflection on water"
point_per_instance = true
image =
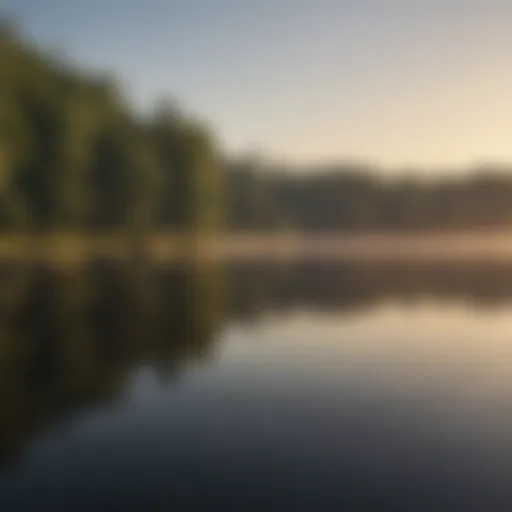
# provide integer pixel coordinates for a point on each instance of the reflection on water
(252, 385)
(71, 338)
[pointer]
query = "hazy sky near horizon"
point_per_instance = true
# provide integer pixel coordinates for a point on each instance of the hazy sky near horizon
(423, 83)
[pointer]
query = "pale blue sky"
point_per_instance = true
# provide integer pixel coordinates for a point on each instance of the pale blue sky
(395, 82)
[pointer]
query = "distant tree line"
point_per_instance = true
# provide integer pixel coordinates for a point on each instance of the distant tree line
(73, 155)
(356, 198)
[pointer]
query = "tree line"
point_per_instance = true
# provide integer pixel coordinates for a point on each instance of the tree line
(74, 155)
(352, 197)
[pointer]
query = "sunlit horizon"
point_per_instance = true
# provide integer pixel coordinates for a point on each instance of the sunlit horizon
(408, 88)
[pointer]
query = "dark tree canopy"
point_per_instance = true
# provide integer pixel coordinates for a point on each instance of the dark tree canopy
(73, 155)
(348, 198)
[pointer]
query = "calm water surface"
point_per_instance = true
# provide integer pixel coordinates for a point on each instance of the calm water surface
(255, 387)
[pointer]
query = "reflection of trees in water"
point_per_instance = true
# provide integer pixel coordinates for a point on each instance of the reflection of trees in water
(71, 338)
(346, 285)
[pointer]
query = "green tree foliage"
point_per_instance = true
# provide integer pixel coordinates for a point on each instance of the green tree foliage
(73, 155)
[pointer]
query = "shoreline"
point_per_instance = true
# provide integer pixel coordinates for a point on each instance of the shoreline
(486, 246)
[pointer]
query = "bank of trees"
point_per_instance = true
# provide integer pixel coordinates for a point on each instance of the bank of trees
(73, 155)
(357, 198)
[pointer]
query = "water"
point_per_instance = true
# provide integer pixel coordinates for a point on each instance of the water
(305, 386)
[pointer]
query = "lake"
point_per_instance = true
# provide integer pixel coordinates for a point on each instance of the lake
(298, 385)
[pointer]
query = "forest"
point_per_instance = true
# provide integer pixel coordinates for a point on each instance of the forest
(75, 156)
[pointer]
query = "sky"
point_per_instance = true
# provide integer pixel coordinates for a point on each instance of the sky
(419, 84)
